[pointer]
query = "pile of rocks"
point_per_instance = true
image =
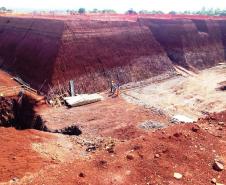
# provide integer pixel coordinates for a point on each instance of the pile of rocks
(147, 125)
(93, 144)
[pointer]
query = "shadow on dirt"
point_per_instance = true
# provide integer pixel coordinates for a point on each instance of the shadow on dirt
(18, 112)
(71, 130)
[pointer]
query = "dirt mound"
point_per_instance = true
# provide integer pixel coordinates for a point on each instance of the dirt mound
(220, 117)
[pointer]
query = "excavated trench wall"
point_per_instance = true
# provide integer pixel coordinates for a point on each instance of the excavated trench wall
(189, 43)
(19, 112)
(95, 52)
(28, 48)
(222, 25)
(48, 53)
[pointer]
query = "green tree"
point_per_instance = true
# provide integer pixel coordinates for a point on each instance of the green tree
(95, 10)
(81, 10)
(187, 12)
(223, 13)
(144, 12)
(173, 12)
(131, 12)
(3, 9)
(108, 11)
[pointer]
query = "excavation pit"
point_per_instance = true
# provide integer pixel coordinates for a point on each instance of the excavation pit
(21, 115)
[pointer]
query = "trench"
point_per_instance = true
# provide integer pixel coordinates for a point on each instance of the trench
(18, 112)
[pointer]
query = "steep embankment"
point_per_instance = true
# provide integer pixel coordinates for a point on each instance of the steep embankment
(190, 43)
(48, 52)
(28, 48)
(94, 52)
(223, 34)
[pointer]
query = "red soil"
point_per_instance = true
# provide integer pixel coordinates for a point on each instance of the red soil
(6, 80)
(111, 117)
(17, 156)
(93, 49)
(10, 88)
(181, 148)
(109, 50)
(187, 149)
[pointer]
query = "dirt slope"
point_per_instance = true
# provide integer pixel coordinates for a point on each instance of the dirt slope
(93, 50)
(190, 43)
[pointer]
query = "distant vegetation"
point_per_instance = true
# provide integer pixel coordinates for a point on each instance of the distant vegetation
(95, 10)
(203, 11)
(5, 10)
(81, 10)
(151, 12)
(103, 11)
(131, 12)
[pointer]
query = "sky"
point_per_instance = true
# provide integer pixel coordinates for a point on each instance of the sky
(118, 5)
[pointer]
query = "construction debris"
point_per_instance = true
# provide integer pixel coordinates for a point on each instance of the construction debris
(82, 99)
(214, 181)
(177, 176)
(181, 118)
(147, 125)
(218, 165)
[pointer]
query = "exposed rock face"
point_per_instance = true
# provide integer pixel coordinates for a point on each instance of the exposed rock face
(47, 52)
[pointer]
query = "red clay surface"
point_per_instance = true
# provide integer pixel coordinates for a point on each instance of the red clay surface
(44, 49)
(181, 148)
(5, 80)
(10, 88)
(94, 49)
(112, 117)
(17, 156)
(32, 157)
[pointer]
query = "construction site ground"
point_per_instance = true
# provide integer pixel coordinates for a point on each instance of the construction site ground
(114, 148)
(190, 94)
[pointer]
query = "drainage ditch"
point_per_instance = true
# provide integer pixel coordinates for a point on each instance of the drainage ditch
(18, 112)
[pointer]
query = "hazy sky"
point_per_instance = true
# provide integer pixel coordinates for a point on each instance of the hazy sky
(118, 5)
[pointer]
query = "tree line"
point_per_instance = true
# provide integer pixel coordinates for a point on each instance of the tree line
(203, 11)
(5, 10)
(95, 10)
